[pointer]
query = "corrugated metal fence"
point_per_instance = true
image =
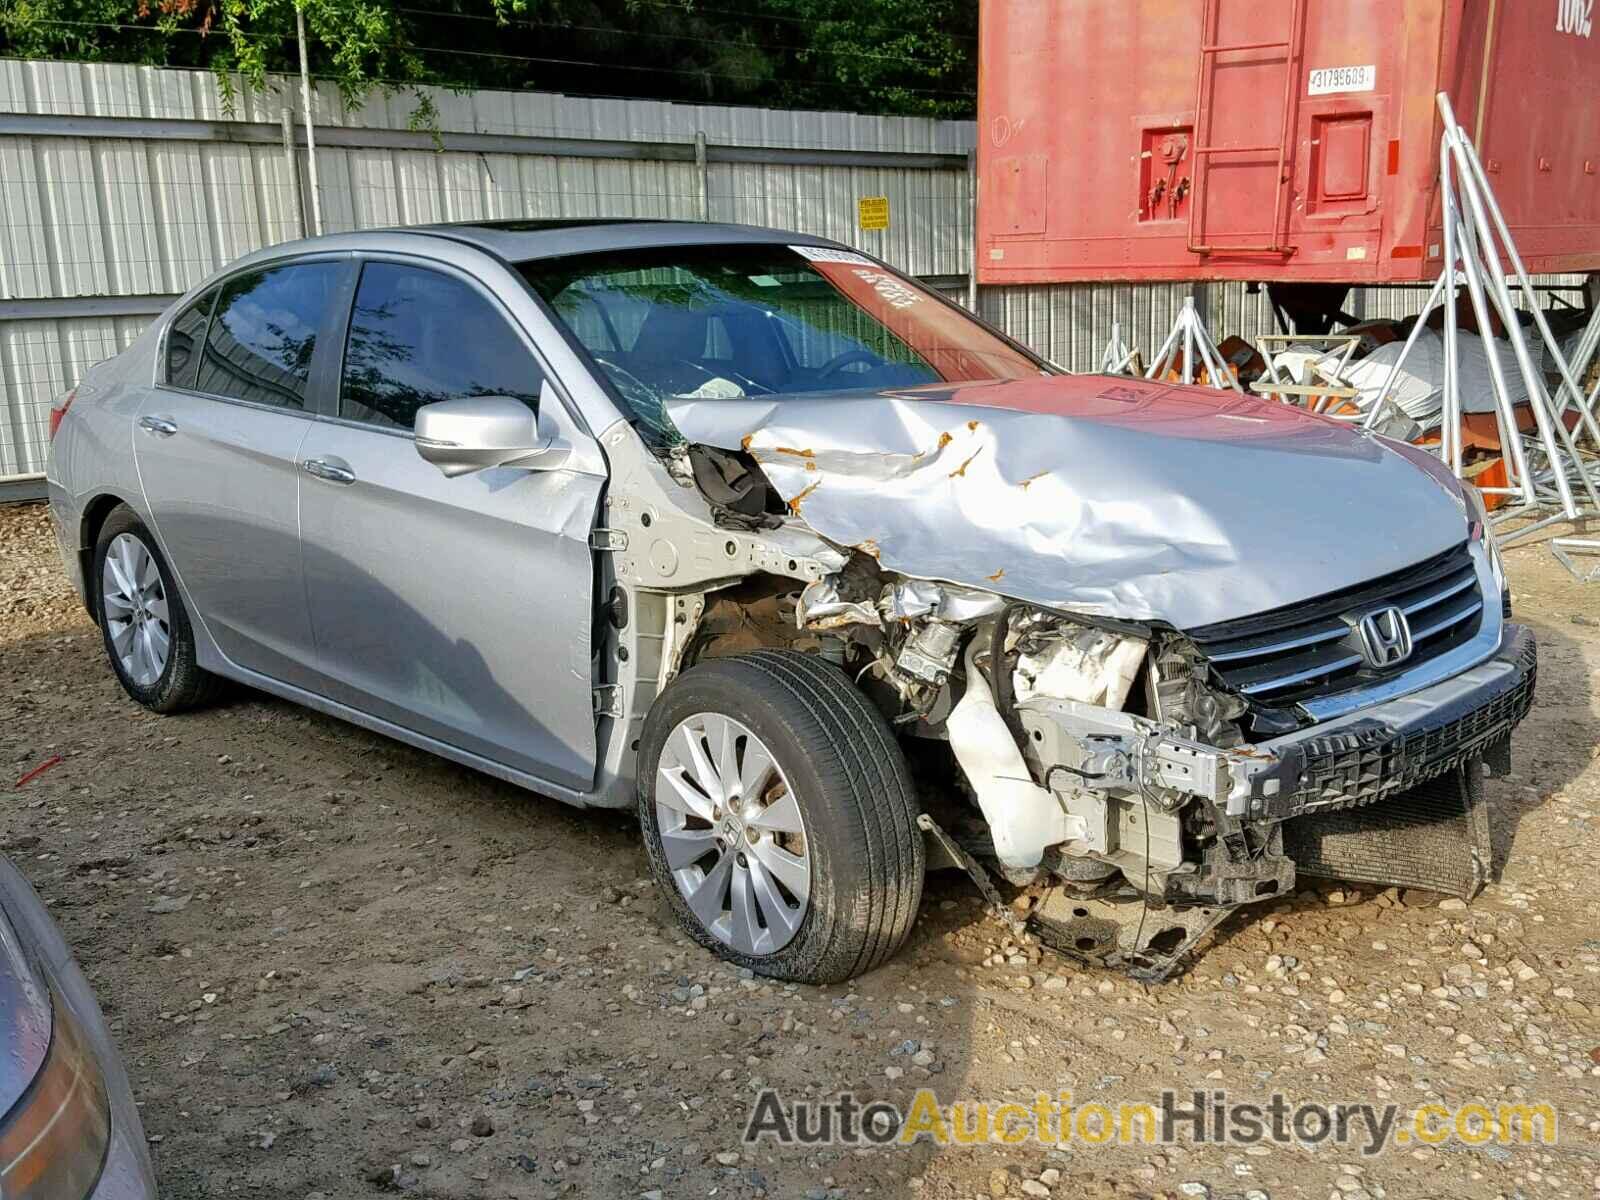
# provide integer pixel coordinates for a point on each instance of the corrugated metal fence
(121, 186)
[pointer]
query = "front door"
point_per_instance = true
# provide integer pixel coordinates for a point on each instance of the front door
(216, 445)
(458, 608)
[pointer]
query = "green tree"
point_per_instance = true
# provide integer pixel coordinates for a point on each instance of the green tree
(899, 56)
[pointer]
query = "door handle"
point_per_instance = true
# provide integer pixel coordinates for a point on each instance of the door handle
(160, 426)
(334, 470)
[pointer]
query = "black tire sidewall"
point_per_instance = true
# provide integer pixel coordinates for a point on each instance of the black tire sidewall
(835, 829)
(161, 694)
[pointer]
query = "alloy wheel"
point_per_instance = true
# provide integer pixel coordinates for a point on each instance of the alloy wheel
(732, 834)
(134, 604)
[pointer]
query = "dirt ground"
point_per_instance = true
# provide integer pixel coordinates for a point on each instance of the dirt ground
(338, 967)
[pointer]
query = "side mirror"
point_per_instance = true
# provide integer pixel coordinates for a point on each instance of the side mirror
(477, 432)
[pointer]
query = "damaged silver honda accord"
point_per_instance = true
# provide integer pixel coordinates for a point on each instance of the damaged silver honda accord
(831, 580)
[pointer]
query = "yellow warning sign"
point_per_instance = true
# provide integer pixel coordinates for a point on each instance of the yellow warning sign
(872, 212)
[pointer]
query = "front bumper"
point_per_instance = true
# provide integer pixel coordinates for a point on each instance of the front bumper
(1352, 760)
(1126, 785)
(1390, 794)
(1389, 748)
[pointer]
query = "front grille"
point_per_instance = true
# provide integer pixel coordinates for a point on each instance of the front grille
(1277, 659)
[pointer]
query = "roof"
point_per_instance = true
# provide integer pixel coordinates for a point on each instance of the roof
(523, 239)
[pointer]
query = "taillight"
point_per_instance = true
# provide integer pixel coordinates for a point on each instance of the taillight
(59, 410)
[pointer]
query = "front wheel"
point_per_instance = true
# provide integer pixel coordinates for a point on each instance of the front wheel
(780, 817)
(146, 628)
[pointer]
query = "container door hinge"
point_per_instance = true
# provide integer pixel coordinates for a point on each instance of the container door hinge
(608, 701)
(612, 540)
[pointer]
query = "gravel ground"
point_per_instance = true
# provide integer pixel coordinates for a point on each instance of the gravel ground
(339, 967)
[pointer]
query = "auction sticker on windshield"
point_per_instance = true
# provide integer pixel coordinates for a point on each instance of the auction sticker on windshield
(823, 254)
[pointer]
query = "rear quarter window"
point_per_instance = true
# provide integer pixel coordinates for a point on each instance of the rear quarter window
(185, 338)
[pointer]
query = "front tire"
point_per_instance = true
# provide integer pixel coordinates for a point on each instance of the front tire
(146, 629)
(779, 817)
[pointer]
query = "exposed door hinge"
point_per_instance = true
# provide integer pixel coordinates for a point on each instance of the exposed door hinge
(608, 701)
(614, 540)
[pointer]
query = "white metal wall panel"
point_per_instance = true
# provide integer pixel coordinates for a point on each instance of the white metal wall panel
(40, 360)
(24, 256)
(74, 232)
(416, 178)
(180, 212)
(134, 256)
(1070, 324)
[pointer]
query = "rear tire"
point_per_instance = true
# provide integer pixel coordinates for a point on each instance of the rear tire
(146, 628)
(840, 800)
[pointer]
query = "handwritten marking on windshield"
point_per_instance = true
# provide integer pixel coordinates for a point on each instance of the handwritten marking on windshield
(893, 292)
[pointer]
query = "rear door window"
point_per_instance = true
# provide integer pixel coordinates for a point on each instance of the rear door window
(185, 338)
(419, 336)
(264, 333)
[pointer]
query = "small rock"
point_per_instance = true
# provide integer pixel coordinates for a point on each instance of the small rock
(482, 1126)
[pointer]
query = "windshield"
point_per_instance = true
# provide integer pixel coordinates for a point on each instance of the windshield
(723, 322)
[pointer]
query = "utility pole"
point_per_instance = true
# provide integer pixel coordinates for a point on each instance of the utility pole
(305, 108)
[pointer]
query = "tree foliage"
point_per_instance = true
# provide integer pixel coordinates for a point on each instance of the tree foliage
(895, 56)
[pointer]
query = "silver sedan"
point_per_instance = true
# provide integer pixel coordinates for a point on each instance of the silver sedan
(738, 526)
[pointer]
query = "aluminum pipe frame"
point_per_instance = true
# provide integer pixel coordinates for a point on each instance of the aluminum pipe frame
(1551, 476)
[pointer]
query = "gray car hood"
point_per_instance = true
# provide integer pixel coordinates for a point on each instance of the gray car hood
(1103, 495)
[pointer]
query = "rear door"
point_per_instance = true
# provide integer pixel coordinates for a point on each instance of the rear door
(458, 608)
(215, 444)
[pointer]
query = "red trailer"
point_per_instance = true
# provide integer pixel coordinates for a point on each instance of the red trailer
(1288, 141)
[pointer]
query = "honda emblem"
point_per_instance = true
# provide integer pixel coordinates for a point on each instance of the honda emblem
(1385, 637)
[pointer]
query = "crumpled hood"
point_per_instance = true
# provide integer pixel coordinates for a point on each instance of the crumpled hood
(1104, 495)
